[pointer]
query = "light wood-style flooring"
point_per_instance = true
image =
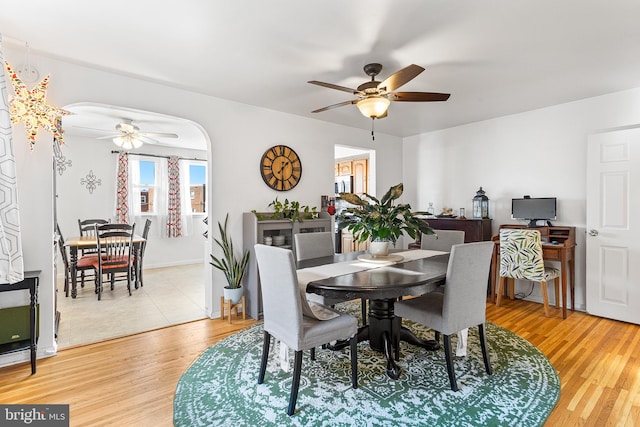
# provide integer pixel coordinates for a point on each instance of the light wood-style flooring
(131, 381)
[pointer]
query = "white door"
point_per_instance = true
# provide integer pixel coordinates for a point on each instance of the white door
(613, 225)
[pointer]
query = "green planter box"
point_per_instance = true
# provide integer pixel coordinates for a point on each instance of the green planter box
(14, 324)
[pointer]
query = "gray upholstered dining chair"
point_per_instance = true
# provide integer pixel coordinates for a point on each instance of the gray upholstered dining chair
(461, 305)
(316, 245)
(284, 318)
(313, 245)
(442, 240)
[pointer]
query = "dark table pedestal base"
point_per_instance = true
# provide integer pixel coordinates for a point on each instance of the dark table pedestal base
(384, 333)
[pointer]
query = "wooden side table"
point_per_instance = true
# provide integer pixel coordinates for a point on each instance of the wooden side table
(30, 282)
(230, 307)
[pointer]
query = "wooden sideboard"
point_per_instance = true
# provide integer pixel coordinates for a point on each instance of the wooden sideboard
(475, 230)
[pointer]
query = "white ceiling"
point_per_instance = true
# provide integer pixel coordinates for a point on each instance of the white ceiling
(495, 57)
(99, 121)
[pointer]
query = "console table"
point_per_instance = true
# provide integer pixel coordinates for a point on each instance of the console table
(558, 244)
(29, 283)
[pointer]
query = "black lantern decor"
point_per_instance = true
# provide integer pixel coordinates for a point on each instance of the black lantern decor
(480, 205)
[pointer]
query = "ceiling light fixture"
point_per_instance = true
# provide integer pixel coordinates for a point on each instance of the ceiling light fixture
(373, 107)
(127, 141)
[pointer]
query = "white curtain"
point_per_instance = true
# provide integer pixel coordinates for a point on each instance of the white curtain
(11, 261)
(136, 216)
(185, 199)
(134, 193)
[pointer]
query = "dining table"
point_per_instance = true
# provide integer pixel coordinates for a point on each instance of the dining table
(382, 285)
(77, 243)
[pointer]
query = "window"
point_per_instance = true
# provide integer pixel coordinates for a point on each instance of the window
(144, 182)
(149, 183)
(196, 172)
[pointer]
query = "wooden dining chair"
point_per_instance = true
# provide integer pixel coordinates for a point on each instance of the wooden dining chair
(140, 254)
(116, 260)
(462, 304)
(317, 245)
(83, 264)
(284, 318)
(86, 227)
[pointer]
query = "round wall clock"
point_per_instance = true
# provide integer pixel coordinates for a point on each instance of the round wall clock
(281, 168)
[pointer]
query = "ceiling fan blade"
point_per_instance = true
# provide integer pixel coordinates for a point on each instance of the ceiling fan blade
(420, 96)
(340, 104)
(95, 129)
(112, 135)
(147, 140)
(158, 134)
(399, 78)
(332, 86)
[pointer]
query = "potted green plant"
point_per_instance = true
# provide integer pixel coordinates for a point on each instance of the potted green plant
(293, 211)
(233, 267)
(382, 220)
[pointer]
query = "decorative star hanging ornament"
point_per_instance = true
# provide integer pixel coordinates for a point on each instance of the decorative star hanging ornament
(30, 107)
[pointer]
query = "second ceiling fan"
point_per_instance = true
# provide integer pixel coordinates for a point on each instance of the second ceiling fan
(128, 135)
(374, 97)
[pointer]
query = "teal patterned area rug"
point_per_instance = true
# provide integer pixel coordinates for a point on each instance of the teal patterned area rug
(221, 387)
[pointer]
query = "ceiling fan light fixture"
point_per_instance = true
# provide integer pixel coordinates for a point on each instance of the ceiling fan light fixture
(127, 142)
(373, 106)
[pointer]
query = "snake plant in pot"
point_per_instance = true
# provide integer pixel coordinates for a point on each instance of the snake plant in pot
(232, 266)
(382, 220)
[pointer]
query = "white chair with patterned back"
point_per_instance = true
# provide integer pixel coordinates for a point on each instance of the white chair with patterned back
(442, 240)
(462, 304)
(285, 321)
(521, 258)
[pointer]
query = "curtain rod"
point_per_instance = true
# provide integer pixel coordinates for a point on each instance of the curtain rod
(156, 155)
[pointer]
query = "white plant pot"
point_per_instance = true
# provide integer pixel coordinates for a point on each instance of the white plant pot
(235, 294)
(379, 248)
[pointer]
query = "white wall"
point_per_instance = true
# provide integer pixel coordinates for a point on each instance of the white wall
(239, 135)
(539, 153)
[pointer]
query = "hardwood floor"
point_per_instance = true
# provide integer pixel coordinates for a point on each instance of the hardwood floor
(131, 381)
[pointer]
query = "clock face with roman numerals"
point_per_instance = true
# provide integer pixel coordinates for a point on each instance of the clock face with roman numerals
(281, 168)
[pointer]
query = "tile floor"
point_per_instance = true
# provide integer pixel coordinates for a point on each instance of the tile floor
(170, 296)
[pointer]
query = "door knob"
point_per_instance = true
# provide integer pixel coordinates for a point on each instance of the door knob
(593, 232)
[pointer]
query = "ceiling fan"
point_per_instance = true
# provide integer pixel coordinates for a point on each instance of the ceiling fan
(374, 97)
(128, 136)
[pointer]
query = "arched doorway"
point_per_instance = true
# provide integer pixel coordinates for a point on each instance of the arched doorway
(175, 283)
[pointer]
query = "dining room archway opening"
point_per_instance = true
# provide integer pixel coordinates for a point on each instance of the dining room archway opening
(176, 273)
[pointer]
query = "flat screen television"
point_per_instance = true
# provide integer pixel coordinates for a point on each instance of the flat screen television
(534, 209)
